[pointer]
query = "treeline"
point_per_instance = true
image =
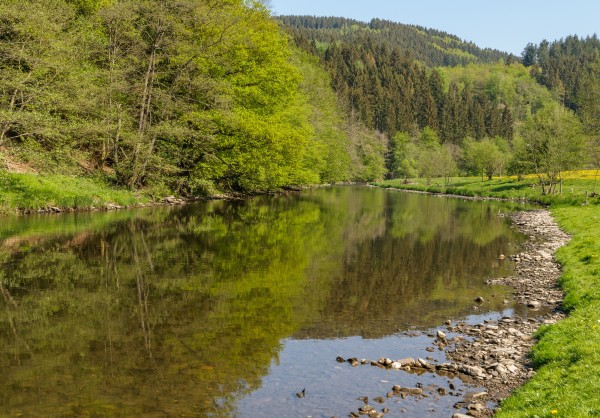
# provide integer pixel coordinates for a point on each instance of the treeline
(429, 46)
(393, 93)
(185, 96)
(488, 119)
(571, 68)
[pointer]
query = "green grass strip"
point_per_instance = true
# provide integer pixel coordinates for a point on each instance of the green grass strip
(31, 191)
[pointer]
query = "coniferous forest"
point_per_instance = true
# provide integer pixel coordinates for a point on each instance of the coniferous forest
(194, 97)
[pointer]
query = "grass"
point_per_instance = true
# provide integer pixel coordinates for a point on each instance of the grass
(575, 186)
(567, 356)
(20, 192)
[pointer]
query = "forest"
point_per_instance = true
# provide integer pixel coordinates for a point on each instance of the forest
(186, 96)
(198, 97)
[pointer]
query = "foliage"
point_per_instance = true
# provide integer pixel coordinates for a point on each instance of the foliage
(430, 46)
(511, 84)
(188, 96)
(402, 156)
(553, 142)
(486, 156)
(31, 191)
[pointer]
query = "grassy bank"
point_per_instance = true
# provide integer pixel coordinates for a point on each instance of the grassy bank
(567, 356)
(20, 192)
(575, 186)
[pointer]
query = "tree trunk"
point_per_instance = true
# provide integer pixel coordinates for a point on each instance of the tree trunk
(144, 116)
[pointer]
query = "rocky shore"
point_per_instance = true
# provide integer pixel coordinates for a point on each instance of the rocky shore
(493, 354)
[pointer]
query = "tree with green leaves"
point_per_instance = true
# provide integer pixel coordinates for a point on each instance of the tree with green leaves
(553, 141)
(402, 157)
(486, 157)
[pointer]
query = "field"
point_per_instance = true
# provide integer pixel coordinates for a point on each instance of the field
(576, 184)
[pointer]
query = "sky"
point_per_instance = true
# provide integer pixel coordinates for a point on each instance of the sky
(507, 25)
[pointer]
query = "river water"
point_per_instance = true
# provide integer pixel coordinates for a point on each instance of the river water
(231, 308)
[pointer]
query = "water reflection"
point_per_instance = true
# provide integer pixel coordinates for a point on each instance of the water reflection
(185, 311)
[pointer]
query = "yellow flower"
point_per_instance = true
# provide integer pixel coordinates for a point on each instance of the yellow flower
(554, 412)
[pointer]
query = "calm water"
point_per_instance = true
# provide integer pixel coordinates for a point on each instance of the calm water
(230, 308)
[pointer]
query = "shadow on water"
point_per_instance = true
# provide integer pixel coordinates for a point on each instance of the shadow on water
(227, 308)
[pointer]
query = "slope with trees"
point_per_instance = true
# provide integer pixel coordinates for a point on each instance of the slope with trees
(429, 46)
(185, 96)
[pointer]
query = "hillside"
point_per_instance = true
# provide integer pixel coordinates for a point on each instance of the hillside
(429, 46)
(188, 98)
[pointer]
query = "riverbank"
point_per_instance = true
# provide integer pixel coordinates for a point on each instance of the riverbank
(28, 193)
(565, 361)
(579, 187)
(33, 193)
(493, 354)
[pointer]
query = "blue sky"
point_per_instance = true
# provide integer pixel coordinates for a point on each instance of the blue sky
(506, 25)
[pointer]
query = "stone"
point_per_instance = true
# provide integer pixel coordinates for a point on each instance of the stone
(366, 408)
(501, 369)
(423, 362)
(441, 335)
(479, 299)
(406, 361)
(512, 368)
(534, 304)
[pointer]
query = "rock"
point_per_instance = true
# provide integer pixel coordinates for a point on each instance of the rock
(366, 409)
(479, 299)
(441, 335)
(423, 362)
(476, 407)
(460, 416)
(534, 304)
(395, 365)
(340, 359)
(474, 371)
(512, 368)
(406, 361)
(500, 368)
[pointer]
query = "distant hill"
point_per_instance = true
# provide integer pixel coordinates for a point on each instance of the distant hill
(432, 47)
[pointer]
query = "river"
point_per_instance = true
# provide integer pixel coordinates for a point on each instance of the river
(231, 308)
